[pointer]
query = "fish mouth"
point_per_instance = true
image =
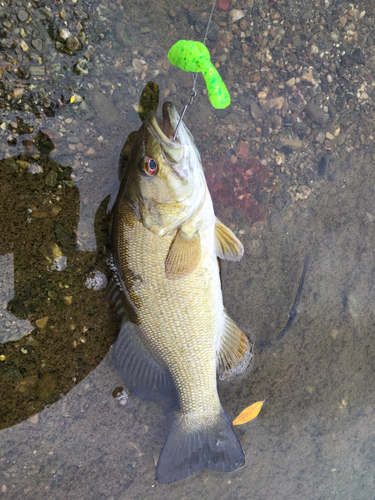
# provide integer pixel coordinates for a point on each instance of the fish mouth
(164, 130)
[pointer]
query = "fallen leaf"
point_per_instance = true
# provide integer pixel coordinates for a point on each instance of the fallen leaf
(248, 413)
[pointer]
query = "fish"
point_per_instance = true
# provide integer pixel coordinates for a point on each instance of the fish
(175, 335)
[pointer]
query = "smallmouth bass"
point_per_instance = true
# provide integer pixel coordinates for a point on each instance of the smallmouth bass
(166, 242)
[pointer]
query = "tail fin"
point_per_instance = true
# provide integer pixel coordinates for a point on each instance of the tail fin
(185, 452)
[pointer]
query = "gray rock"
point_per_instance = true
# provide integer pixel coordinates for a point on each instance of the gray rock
(316, 113)
(51, 178)
(22, 15)
(37, 70)
(105, 109)
(255, 110)
(37, 44)
(72, 43)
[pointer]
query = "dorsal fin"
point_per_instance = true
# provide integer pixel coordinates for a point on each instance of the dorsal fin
(228, 246)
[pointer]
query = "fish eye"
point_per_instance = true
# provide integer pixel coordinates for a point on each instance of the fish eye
(148, 165)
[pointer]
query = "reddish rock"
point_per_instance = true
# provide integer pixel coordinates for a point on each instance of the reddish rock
(223, 4)
(51, 134)
(242, 149)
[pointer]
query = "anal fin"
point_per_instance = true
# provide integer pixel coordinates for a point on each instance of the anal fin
(137, 368)
(236, 351)
(228, 246)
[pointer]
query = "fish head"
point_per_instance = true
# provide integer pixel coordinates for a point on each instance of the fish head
(164, 174)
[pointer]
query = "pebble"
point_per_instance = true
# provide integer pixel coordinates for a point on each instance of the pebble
(316, 113)
(307, 76)
(73, 43)
(34, 168)
(24, 46)
(322, 167)
(255, 110)
(291, 82)
(235, 15)
(294, 143)
(223, 4)
(242, 149)
(22, 15)
(137, 65)
(37, 44)
(37, 70)
(330, 136)
(96, 280)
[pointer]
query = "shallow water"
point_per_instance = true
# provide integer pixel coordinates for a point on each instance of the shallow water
(314, 437)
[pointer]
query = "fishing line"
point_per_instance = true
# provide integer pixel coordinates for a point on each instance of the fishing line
(193, 91)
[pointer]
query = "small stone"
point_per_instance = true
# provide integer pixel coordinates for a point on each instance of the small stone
(7, 43)
(90, 152)
(262, 95)
(137, 65)
(320, 138)
(322, 167)
(41, 323)
(73, 43)
(34, 168)
(63, 34)
(34, 419)
(37, 44)
(235, 15)
(316, 113)
(53, 135)
(280, 159)
(308, 76)
(314, 49)
(68, 300)
(17, 93)
(242, 149)
(96, 280)
(294, 143)
(22, 15)
(223, 4)
(38, 70)
(291, 82)
(329, 78)
(370, 217)
(255, 110)
(302, 192)
(330, 136)
(24, 46)
(51, 178)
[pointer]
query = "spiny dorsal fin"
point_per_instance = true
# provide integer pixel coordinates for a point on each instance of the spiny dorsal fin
(228, 246)
(183, 256)
(235, 351)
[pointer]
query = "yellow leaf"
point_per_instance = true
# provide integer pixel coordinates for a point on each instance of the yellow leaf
(73, 98)
(248, 413)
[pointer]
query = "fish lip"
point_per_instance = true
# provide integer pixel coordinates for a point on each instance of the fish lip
(164, 129)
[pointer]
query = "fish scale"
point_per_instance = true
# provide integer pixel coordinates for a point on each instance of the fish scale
(173, 313)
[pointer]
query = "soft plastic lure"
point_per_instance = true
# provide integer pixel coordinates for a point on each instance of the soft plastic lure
(194, 56)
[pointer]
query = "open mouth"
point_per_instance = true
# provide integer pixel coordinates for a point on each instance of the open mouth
(165, 129)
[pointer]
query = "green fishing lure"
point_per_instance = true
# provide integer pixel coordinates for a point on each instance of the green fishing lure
(194, 56)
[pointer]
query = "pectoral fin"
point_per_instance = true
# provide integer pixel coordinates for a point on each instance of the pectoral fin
(235, 351)
(228, 246)
(183, 256)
